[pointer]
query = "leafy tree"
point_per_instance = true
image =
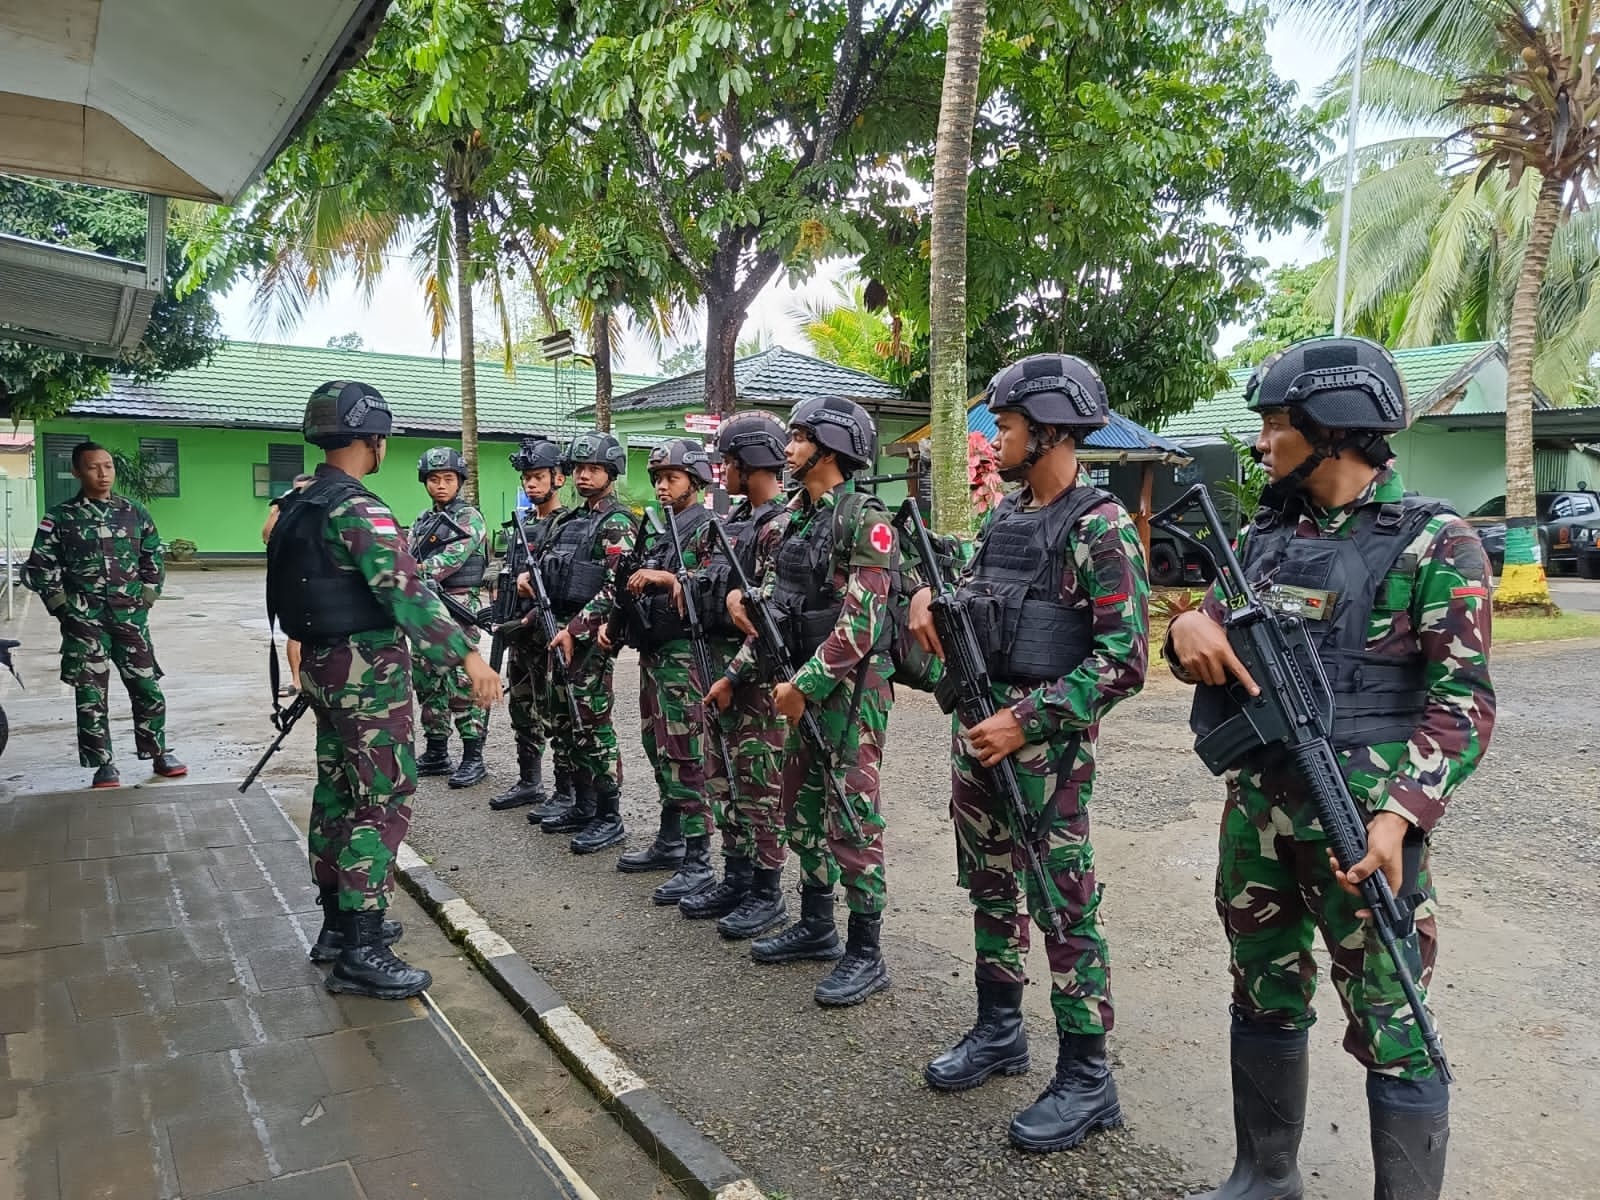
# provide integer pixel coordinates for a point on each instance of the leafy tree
(690, 356)
(1287, 313)
(37, 383)
(844, 330)
(347, 341)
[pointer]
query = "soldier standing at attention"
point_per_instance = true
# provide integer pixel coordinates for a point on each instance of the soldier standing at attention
(456, 567)
(830, 582)
(1058, 583)
(341, 581)
(1394, 593)
(579, 553)
(536, 714)
(96, 563)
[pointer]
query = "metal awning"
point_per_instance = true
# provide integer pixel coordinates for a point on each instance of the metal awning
(1566, 424)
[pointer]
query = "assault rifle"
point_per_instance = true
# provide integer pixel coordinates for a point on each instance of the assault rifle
(627, 604)
(283, 720)
(774, 653)
(1294, 713)
(701, 649)
(966, 678)
(545, 614)
(440, 531)
(504, 607)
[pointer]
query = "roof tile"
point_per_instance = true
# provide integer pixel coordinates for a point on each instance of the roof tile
(775, 376)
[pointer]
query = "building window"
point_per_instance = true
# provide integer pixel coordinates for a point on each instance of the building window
(1099, 476)
(285, 460)
(162, 455)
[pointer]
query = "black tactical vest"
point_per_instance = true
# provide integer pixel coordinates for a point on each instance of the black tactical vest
(743, 527)
(471, 572)
(1338, 582)
(311, 596)
(1014, 592)
(571, 575)
(803, 595)
(663, 623)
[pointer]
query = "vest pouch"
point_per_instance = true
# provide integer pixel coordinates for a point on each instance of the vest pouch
(988, 614)
(1050, 640)
(572, 584)
(811, 628)
(1382, 698)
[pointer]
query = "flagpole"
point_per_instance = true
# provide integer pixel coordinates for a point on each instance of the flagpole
(1350, 166)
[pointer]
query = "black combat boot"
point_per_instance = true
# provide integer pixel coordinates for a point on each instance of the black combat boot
(812, 936)
(1410, 1131)
(435, 760)
(471, 770)
(725, 897)
(366, 967)
(529, 787)
(997, 1043)
(560, 800)
(694, 876)
(105, 776)
(605, 827)
(331, 939)
(1080, 1099)
(663, 854)
(1271, 1070)
(861, 971)
(573, 818)
(761, 908)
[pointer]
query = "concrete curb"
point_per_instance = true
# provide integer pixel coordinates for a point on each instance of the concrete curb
(684, 1154)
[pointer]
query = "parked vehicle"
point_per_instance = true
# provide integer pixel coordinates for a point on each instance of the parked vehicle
(1561, 516)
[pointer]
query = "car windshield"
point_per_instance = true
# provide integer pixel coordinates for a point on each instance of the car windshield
(1490, 508)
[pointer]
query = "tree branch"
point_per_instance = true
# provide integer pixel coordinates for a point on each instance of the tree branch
(670, 229)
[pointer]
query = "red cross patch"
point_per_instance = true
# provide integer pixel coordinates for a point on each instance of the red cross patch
(880, 537)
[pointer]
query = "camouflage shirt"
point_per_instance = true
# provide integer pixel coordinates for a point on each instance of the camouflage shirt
(612, 540)
(1449, 619)
(746, 661)
(447, 561)
(1103, 570)
(92, 552)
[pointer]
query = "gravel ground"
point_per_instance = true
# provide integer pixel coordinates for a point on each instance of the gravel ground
(832, 1104)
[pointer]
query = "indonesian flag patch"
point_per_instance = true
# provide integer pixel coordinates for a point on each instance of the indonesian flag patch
(47, 524)
(1471, 590)
(881, 539)
(385, 526)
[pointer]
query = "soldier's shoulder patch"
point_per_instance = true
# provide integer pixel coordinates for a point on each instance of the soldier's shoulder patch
(46, 524)
(880, 537)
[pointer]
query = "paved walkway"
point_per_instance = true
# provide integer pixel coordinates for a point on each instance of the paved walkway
(164, 1036)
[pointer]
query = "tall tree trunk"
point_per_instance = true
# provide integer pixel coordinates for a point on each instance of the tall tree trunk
(461, 211)
(600, 334)
(723, 322)
(947, 324)
(1523, 579)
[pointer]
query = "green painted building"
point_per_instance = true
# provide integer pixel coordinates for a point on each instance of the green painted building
(228, 434)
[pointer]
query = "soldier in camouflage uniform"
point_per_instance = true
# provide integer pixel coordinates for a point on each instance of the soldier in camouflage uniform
(96, 563)
(538, 713)
(455, 565)
(830, 581)
(582, 547)
(1394, 592)
(1058, 593)
(671, 714)
(341, 581)
(749, 900)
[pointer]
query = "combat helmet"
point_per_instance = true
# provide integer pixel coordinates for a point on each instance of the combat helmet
(683, 454)
(599, 448)
(537, 454)
(343, 409)
(441, 458)
(1060, 390)
(839, 425)
(756, 438)
(1347, 383)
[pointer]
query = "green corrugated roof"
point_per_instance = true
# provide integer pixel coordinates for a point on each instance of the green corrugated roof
(255, 385)
(1425, 370)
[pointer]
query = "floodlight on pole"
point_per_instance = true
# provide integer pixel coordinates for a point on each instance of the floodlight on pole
(1350, 166)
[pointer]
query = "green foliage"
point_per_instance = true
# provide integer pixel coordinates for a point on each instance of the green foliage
(1287, 313)
(1245, 492)
(139, 478)
(179, 550)
(844, 330)
(690, 356)
(37, 383)
(347, 341)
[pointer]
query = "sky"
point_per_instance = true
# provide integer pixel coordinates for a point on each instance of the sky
(392, 320)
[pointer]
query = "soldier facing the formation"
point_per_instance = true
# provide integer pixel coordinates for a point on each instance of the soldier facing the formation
(340, 580)
(1057, 585)
(96, 564)
(1393, 592)
(451, 542)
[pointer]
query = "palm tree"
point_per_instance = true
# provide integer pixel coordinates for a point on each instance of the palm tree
(1517, 84)
(947, 308)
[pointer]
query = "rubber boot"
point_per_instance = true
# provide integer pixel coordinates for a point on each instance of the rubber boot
(725, 897)
(471, 770)
(812, 936)
(331, 938)
(571, 820)
(760, 910)
(663, 854)
(435, 760)
(1271, 1070)
(861, 971)
(694, 876)
(559, 800)
(529, 787)
(997, 1043)
(1080, 1099)
(1410, 1132)
(366, 967)
(605, 827)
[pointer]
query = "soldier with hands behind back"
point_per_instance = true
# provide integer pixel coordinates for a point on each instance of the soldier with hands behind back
(1058, 595)
(340, 580)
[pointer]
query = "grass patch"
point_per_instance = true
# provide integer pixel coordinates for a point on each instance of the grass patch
(1512, 631)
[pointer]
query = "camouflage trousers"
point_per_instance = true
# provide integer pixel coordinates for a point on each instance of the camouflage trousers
(827, 851)
(360, 692)
(445, 693)
(749, 816)
(593, 747)
(672, 727)
(1056, 778)
(90, 646)
(538, 710)
(1274, 893)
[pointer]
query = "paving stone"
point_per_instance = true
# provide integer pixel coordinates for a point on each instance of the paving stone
(111, 994)
(119, 1166)
(326, 1183)
(215, 1152)
(197, 981)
